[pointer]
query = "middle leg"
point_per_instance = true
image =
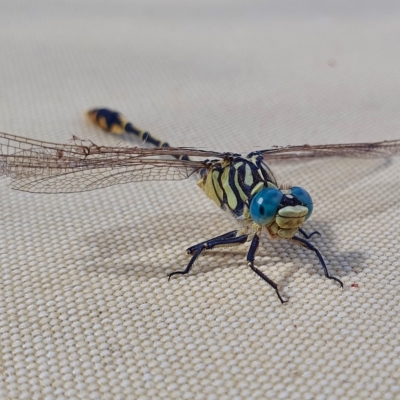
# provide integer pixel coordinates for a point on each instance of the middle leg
(226, 240)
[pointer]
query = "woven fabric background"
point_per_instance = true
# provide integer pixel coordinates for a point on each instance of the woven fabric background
(86, 309)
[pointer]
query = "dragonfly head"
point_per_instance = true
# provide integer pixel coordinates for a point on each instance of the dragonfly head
(281, 211)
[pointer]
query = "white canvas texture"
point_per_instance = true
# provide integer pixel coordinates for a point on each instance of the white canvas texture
(86, 309)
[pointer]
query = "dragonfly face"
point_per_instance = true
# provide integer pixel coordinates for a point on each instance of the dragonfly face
(282, 212)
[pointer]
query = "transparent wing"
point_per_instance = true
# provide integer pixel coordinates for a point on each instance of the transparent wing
(44, 167)
(356, 150)
(80, 180)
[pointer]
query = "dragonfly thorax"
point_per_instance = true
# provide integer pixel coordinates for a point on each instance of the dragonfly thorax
(230, 182)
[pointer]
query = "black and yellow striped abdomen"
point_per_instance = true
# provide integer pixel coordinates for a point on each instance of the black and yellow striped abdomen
(115, 122)
(230, 182)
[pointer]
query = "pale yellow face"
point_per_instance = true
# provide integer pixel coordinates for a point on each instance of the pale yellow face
(287, 222)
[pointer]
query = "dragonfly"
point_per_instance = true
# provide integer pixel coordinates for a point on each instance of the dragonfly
(242, 185)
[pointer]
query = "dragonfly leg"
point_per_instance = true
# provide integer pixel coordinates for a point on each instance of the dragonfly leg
(308, 236)
(226, 240)
(250, 262)
(227, 235)
(307, 244)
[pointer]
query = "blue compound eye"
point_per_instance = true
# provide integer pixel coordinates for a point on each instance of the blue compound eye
(305, 199)
(264, 205)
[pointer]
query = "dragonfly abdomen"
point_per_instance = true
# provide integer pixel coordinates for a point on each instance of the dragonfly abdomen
(115, 122)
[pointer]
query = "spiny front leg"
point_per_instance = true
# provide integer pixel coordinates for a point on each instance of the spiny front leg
(250, 262)
(308, 236)
(226, 240)
(310, 246)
